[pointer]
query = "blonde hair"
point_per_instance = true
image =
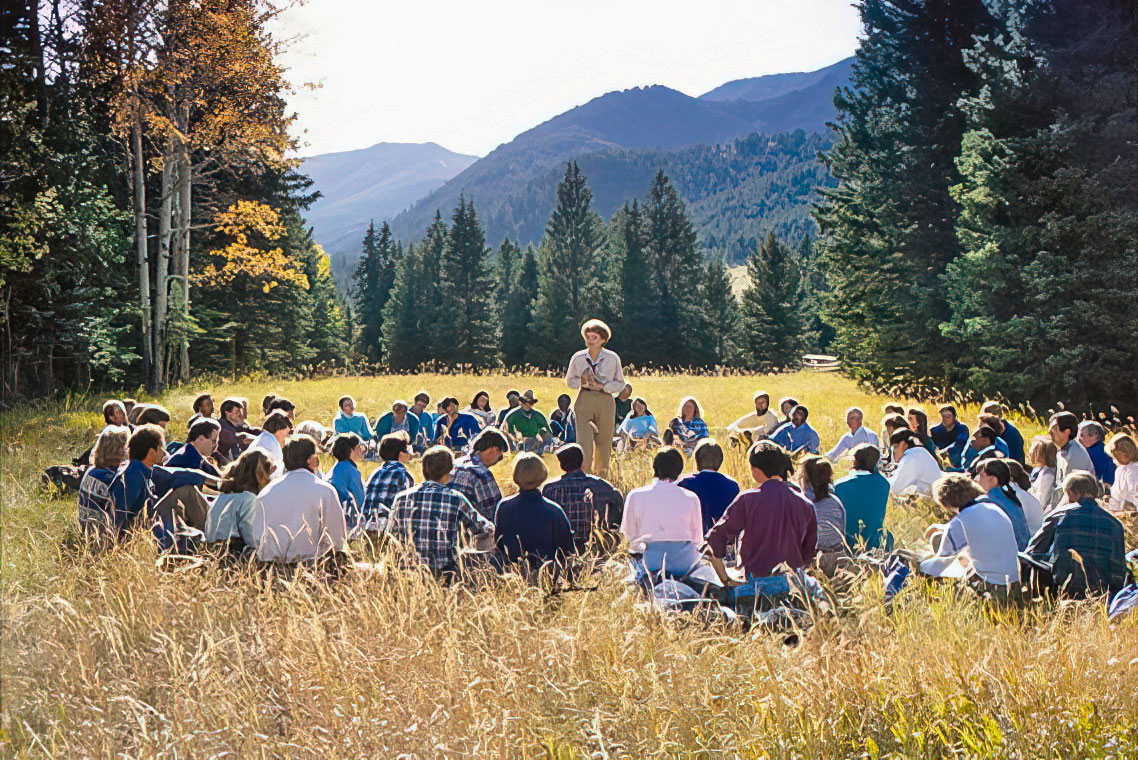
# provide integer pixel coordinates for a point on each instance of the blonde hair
(530, 471)
(1045, 448)
(598, 327)
(110, 447)
(954, 491)
(1122, 445)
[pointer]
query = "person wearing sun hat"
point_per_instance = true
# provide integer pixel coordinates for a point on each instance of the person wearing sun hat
(528, 424)
(398, 419)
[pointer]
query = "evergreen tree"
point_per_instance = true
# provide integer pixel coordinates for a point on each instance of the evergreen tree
(722, 315)
(469, 329)
(675, 267)
(772, 327)
(887, 230)
(1049, 209)
(371, 287)
(639, 304)
(571, 282)
(518, 336)
(506, 271)
(820, 334)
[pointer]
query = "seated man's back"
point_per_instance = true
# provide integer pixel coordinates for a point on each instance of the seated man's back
(865, 495)
(778, 525)
(429, 517)
(1085, 546)
(299, 516)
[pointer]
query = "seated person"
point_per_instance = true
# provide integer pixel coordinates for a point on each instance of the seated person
(979, 542)
(472, 477)
(563, 420)
(639, 427)
(756, 425)
(1010, 435)
(284, 405)
(1021, 484)
(266, 403)
(1081, 548)
(1093, 437)
(430, 517)
(235, 435)
(786, 405)
(1070, 455)
(203, 407)
(985, 444)
(890, 424)
(131, 489)
(687, 428)
(858, 435)
(1043, 460)
(276, 428)
(200, 445)
(816, 479)
(480, 408)
(399, 420)
(527, 425)
(1124, 492)
(950, 437)
(713, 489)
(776, 521)
(95, 509)
(298, 516)
(387, 481)
(419, 406)
(512, 402)
(231, 524)
(453, 428)
(663, 521)
(153, 414)
(919, 424)
(916, 470)
(587, 500)
(114, 415)
(623, 403)
(528, 527)
(348, 451)
(994, 477)
(865, 494)
(348, 420)
(797, 435)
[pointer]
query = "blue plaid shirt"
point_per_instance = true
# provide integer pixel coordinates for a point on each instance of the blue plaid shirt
(429, 517)
(391, 478)
(1096, 536)
(569, 491)
(690, 432)
(474, 480)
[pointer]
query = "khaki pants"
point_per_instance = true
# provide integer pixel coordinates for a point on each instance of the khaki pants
(596, 419)
(186, 504)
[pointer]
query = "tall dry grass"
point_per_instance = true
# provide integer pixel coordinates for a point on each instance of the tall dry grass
(111, 656)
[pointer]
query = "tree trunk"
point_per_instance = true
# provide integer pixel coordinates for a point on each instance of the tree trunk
(162, 275)
(182, 269)
(138, 180)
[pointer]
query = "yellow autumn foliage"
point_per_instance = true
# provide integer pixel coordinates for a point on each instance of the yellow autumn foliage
(251, 227)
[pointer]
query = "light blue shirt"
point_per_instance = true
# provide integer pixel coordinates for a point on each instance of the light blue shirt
(849, 440)
(640, 427)
(794, 438)
(357, 424)
(349, 484)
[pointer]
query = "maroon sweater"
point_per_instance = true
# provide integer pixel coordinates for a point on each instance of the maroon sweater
(778, 525)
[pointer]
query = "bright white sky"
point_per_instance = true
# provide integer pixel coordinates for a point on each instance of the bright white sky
(472, 75)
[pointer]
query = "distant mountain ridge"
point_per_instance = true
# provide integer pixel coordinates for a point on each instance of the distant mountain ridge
(376, 182)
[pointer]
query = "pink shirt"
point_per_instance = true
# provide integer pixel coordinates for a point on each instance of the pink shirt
(661, 511)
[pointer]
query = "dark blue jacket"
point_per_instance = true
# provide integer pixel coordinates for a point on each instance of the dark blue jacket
(715, 491)
(530, 526)
(955, 440)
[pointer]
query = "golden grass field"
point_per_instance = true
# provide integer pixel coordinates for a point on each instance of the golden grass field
(108, 656)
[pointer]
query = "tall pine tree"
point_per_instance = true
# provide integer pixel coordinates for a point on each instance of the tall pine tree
(772, 325)
(518, 336)
(371, 287)
(887, 230)
(639, 304)
(571, 283)
(468, 332)
(721, 315)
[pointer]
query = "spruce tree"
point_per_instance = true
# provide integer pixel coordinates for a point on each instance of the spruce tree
(639, 304)
(1049, 210)
(505, 272)
(722, 315)
(675, 267)
(887, 230)
(469, 329)
(403, 315)
(772, 327)
(518, 336)
(371, 287)
(571, 284)
(432, 328)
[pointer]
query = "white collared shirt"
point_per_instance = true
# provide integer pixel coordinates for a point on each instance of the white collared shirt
(851, 439)
(298, 517)
(917, 471)
(606, 370)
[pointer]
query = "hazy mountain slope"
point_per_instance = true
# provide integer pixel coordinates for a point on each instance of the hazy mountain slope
(775, 85)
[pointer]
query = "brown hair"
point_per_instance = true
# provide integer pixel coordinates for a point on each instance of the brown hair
(438, 461)
(598, 327)
(276, 422)
(866, 457)
(698, 413)
(817, 473)
(297, 450)
(1045, 448)
(343, 445)
(1083, 484)
(152, 415)
(392, 445)
(708, 455)
(251, 471)
(144, 439)
(111, 405)
(110, 447)
(529, 471)
(201, 400)
(954, 491)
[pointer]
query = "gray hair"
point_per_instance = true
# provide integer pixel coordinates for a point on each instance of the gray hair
(1082, 485)
(1096, 429)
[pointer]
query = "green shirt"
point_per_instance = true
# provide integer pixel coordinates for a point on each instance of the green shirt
(526, 424)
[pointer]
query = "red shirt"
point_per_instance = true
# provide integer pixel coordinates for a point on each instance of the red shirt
(778, 525)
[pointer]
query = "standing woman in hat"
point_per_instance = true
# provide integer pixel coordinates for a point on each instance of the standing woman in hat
(597, 373)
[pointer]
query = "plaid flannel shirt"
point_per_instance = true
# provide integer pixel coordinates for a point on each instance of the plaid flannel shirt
(387, 481)
(1096, 536)
(474, 480)
(429, 517)
(568, 492)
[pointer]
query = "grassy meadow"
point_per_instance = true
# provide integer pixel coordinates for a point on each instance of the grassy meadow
(107, 656)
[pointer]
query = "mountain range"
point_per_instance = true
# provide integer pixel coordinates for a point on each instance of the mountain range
(736, 183)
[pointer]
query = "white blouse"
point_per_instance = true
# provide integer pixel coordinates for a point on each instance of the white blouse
(606, 369)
